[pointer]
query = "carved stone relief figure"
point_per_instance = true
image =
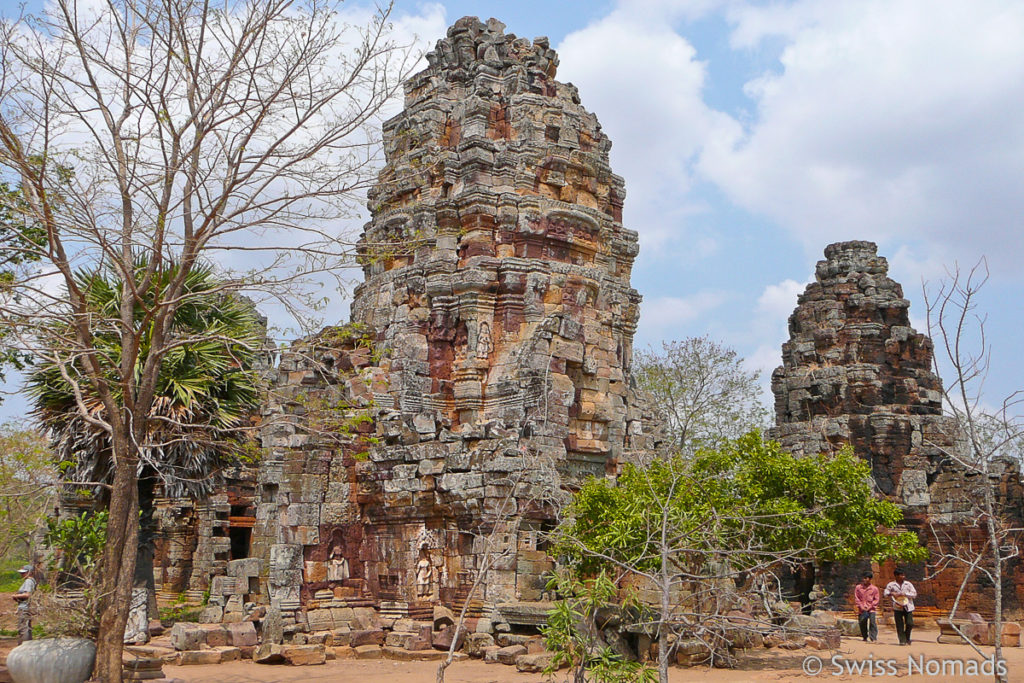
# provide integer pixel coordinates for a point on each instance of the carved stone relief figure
(337, 566)
(424, 576)
(484, 345)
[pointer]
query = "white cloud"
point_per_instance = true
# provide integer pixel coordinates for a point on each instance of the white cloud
(778, 301)
(644, 82)
(891, 120)
(666, 312)
(764, 360)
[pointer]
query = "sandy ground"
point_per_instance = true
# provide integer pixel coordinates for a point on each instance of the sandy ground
(764, 665)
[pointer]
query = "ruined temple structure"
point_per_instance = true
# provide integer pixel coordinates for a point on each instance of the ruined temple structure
(485, 370)
(195, 540)
(855, 372)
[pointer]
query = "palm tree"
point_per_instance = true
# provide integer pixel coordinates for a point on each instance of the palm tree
(208, 390)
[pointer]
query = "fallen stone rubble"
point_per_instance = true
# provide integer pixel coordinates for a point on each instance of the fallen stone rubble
(490, 640)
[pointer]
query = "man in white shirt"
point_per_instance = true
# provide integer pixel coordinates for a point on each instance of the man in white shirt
(902, 593)
(22, 598)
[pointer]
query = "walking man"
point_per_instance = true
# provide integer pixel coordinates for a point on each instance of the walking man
(866, 597)
(28, 585)
(902, 593)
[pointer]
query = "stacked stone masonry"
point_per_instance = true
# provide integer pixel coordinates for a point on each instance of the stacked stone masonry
(855, 372)
(485, 371)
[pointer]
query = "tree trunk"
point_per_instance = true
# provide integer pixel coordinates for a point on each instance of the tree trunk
(663, 628)
(997, 575)
(118, 562)
(804, 584)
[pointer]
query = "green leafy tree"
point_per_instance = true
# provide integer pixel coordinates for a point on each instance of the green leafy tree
(693, 527)
(75, 545)
(207, 391)
(19, 240)
(76, 542)
(573, 635)
(702, 392)
(28, 481)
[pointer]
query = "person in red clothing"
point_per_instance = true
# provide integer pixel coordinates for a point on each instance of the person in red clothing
(866, 596)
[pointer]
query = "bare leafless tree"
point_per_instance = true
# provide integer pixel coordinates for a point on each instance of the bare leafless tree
(172, 133)
(701, 391)
(988, 441)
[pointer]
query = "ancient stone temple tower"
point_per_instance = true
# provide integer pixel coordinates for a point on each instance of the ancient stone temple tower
(514, 307)
(486, 368)
(855, 372)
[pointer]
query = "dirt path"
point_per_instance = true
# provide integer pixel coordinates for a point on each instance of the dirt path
(764, 665)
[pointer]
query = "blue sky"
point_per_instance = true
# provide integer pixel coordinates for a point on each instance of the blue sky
(752, 134)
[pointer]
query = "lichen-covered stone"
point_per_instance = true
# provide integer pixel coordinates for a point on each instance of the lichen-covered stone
(855, 372)
(486, 366)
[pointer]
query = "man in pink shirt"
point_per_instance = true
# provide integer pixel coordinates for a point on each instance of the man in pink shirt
(866, 597)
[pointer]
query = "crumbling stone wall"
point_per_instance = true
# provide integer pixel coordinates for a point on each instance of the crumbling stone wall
(487, 366)
(855, 372)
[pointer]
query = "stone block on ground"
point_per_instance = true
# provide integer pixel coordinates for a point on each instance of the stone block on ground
(534, 663)
(370, 637)
(229, 653)
(824, 617)
(268, 653)
(138, 668)
(341, 636)
(442, 640)
(506, 639)
(535, 645)
(242, 634)
(815, 642)
(490, 654)
(304, 655)
(190, 657)
(443, 617)
(368, 651)
(476, 642)
(187, 636)
(833, 638)
(216, 635)
(398, 639)
(507, 655)
(211, 614)
(401, 654)
(848, 627)
(365, 619)
(803, 623)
